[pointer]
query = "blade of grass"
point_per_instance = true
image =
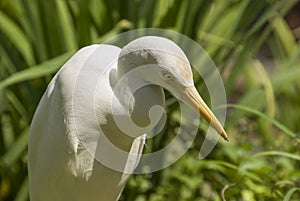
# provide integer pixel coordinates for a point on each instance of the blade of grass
(212, 17)
(17, 104)
(277, 153)
(114, 7)
(191, 17)
(254, 99)
(17, 37)
(269, 92)
(101, 15)
(67, 25)
(33, 26)
(249, 47)
(284, 34)
(285, 77)
(160, 9)
(7, 131)
(236, 168)
(51, 66)
(52, 28)
(43, 69)
(123, 24)
(84, 24)
(6, 63)
(231, 19)
(260, 114)
(182, 12)
(289, 194)
(146, 16)
(23, 194)
(168, 20)
(269, 13)
(16, 149)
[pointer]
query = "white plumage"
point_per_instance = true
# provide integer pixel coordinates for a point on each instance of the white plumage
(100, 99)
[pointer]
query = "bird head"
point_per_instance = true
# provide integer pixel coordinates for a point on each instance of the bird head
(162, 62)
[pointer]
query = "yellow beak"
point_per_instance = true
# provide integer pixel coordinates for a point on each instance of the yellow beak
(191, 96)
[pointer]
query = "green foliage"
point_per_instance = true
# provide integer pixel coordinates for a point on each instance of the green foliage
(262, 160)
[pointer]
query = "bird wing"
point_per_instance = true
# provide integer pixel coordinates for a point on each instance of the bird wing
(52, 118)
(134, 157)
(135, 154)
(53, 141)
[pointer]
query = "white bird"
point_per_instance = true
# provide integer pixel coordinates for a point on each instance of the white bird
(61, 164)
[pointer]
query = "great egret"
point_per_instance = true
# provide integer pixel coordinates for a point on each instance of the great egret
(60, 166)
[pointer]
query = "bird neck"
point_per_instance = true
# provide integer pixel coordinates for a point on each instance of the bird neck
(147, 106)
(142, 102)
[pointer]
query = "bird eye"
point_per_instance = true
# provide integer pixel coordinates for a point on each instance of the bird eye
(167, 75)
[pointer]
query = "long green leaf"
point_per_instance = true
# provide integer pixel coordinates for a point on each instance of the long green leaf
(260, 114)
(32, 22)
(277, 153)
(289, 194)
(284, 34)
(67, 25)
(234, 167)
(23, 194)
(16, 150)
(15, 34)
(43, 69)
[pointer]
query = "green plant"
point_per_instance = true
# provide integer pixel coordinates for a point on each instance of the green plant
(262, 160)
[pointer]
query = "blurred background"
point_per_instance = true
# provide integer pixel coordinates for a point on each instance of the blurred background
(255, 45)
